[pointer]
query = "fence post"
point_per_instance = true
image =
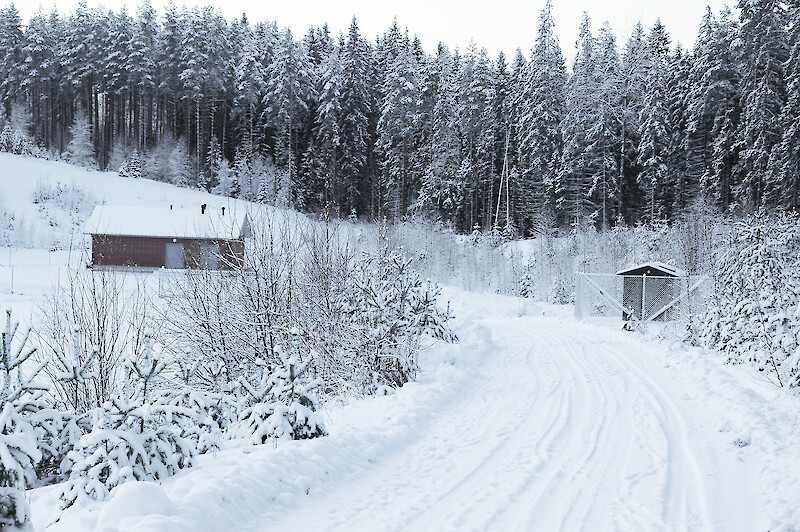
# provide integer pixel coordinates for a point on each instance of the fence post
(579, 296)
(643, 318)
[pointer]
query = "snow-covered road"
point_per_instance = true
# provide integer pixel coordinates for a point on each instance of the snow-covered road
(532, 422)
(563, 428)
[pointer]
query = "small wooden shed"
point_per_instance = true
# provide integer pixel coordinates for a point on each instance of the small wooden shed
(166, 237)
(648, 288)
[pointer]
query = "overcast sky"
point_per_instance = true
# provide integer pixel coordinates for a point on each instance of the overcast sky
(495, 24)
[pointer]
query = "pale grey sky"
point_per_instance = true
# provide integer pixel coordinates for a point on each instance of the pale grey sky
(496, 25)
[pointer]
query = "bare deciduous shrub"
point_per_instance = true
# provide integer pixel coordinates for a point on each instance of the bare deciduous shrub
(354, 315)
(240, 315)
(104, 312)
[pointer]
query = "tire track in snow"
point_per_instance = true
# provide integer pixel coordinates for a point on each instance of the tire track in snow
(563, 432)
(483, 475)
(685, 504)
(573, 494)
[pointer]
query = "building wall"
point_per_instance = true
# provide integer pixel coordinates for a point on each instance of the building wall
(149, 252)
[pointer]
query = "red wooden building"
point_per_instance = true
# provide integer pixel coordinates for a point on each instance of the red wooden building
(166, 237)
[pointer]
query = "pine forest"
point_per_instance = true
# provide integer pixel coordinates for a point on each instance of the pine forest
(634, 132)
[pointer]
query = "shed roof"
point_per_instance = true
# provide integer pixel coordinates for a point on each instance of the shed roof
(657, 269)
(166, 222)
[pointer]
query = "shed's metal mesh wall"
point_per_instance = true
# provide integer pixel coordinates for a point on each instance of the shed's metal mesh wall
(640, 298)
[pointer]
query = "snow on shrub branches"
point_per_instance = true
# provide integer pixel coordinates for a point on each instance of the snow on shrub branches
(756, 317)
(19, 451)
(391, 310)
(282, 403)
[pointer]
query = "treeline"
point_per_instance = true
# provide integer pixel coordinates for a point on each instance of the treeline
(383, 129)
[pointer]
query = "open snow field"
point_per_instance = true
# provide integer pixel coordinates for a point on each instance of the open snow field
(533, 422)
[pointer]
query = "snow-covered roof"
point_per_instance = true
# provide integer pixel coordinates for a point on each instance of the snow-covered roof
(168, 222)
(666, 268)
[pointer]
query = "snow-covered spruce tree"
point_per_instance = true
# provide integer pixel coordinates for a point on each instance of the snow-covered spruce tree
(72, 371)
(282, 403)
(6, 137)
(560, 293)
(19, 451)
(59, 428)
(764, 52)
(581, 106)
(133, 436)
(785, 157)
(226, 179)
(756, 313)
(21, 141)
(213, 410)
(391, 310)
(133, 166)
(527, 286)
(180, 165)
(440, 187)
(209, 179)
(57, 431)
(541, 112)
(80, 149)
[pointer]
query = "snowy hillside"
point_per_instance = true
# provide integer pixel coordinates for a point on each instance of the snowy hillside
(44, 205)
(43, 202)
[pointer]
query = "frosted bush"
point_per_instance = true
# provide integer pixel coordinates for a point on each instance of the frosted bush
(19, 452)
(282, 403)
(755, 316)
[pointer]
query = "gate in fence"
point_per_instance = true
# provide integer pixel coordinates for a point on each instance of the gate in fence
(640, 298)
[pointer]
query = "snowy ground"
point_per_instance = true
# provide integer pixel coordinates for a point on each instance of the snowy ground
(534, 422)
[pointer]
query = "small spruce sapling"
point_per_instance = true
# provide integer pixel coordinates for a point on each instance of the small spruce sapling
(756, 312)
(212, 412)
(133, 166)
(59, 429)
(132, 437)
(527, 286)
(561, 294)
(282, 402)
(74, 371)
(143, 371)
(391, 310)
(19, 451)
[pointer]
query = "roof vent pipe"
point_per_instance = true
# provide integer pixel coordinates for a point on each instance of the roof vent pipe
(203, 208)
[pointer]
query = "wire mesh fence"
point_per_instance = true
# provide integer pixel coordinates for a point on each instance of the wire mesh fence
(182, 283)
(641, 299)
(171, 283)
(31, 279)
